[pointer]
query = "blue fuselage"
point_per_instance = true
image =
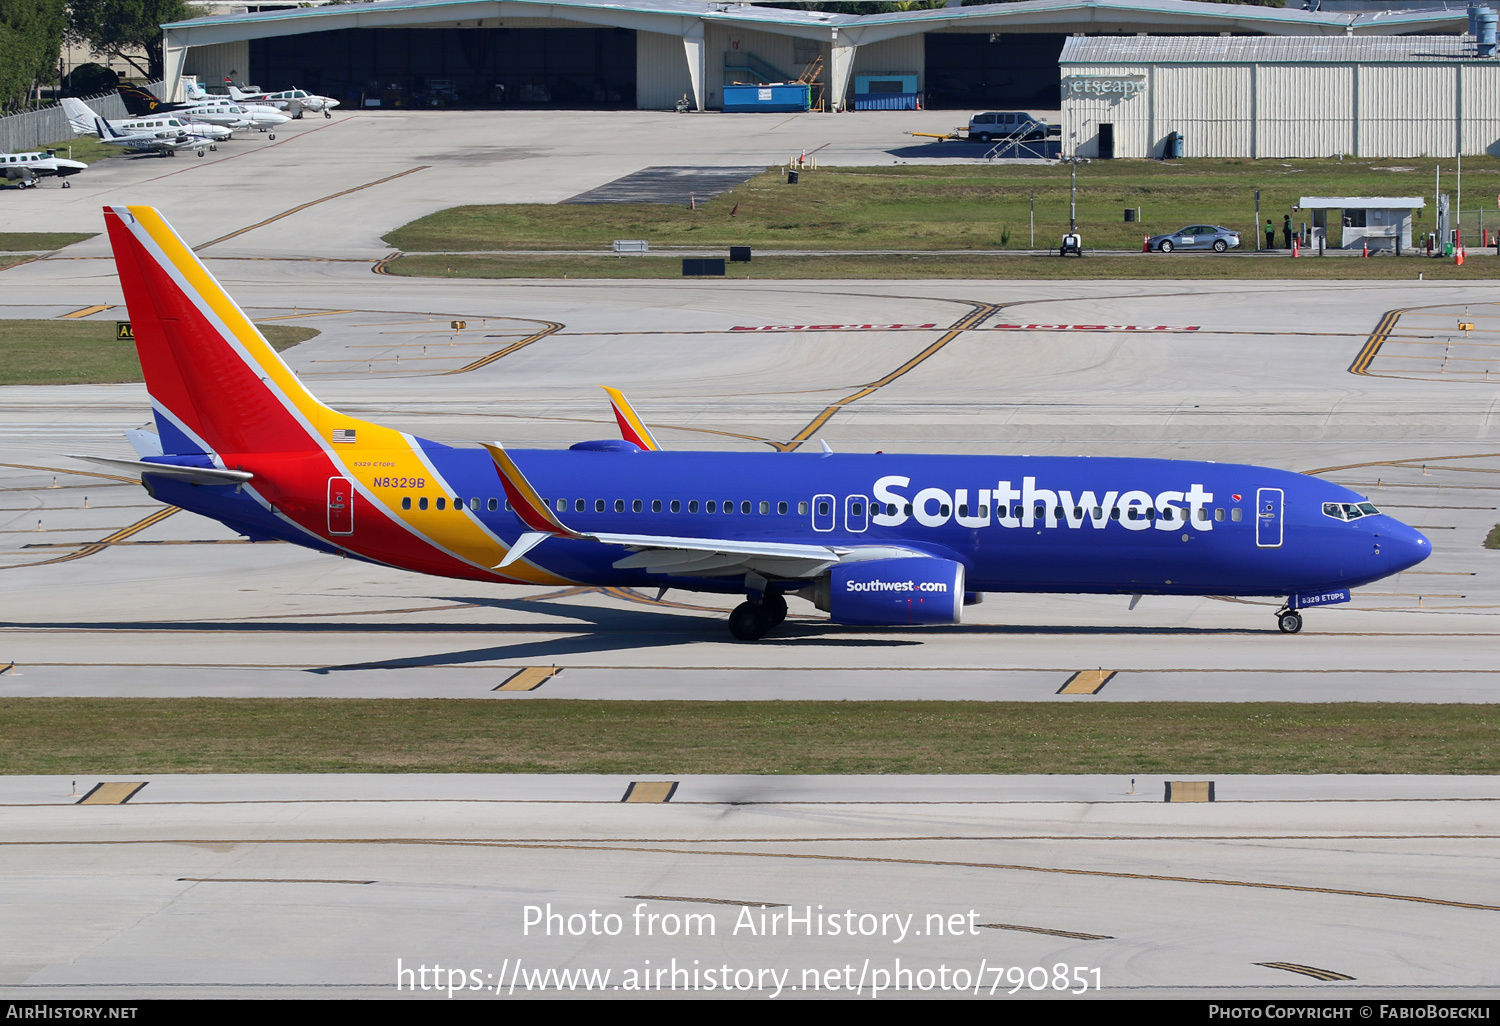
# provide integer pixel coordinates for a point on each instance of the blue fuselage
(1022, 524)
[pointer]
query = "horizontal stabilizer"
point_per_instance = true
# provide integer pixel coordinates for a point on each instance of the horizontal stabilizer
(195, 475)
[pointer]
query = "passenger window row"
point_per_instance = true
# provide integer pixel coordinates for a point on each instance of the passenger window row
(746, 506)
(1347, 511)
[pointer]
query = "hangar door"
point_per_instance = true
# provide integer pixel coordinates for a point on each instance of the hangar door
(454, 67)
(990, 70)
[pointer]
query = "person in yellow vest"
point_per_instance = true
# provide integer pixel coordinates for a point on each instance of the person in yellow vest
(1270, 235)
(1286, 231)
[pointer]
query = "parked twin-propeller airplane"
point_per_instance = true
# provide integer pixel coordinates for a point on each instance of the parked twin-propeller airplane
(876, 539)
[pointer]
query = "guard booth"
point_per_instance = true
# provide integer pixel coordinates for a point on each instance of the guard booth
(1381, 222)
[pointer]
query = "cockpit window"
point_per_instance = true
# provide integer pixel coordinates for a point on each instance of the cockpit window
(1349, 510)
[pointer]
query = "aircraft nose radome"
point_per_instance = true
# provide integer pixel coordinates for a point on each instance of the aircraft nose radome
(1405, 547)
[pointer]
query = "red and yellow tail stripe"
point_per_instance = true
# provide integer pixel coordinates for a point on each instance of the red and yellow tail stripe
(632, 428)
(211, 373)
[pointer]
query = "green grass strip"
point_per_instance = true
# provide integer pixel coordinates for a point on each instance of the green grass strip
(1492, 540)
(964, 206)
(137, 736)
(59, 352)
(15, 242)
(1003, 267)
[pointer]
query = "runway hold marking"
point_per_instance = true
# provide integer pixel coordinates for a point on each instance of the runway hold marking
(653, 791)
(969, 320)
(1361, 364)
(707, 901)
(1087, 682)
(1049, 933)
(1306, 970)
(529, 679)
(103, 543)
(310, 203)
(87, 311)
(114, 793)
(485, 361)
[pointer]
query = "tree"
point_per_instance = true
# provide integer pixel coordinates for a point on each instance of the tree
(126, 28)
(31, 34)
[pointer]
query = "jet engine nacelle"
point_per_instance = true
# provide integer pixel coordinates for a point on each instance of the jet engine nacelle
(884, 592)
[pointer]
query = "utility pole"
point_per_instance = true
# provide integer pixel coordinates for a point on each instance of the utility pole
(1257, 220)
(1033, 219)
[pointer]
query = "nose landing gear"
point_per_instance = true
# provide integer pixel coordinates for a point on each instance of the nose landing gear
(1289, 620)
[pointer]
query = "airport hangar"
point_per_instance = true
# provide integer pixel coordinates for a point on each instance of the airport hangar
(650, 55)
(1249, 96)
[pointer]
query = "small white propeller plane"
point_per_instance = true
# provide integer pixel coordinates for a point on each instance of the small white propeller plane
(26, 168)
(81, 119)
(294, 100)
(166, 141)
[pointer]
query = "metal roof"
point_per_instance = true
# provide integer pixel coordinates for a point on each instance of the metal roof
(855, 29)
(1268, 50)
(1362, 202)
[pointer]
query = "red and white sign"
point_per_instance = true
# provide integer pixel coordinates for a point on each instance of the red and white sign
(1093, 327)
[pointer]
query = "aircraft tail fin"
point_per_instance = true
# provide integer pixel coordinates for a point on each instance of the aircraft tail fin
(216, 385)
(139, 102)
(80, 117)
(632, 428)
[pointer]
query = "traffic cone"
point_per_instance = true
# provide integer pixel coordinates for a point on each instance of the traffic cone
(1458, 255)
(1367, 249)
(1145, 243)
(1296, 247)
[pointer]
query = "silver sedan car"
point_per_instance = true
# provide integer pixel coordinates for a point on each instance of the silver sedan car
(1196, 236)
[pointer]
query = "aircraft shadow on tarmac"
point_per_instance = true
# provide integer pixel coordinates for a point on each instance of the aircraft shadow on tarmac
(619, 630)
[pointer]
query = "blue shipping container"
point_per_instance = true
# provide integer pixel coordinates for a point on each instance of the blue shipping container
(885, 101)
(767, 99)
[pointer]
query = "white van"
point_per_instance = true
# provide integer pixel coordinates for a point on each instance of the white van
(1006, 125)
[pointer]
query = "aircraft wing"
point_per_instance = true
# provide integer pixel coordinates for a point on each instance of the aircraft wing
(667, 554)
(718, 557)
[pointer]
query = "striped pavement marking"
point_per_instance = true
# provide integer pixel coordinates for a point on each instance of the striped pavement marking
(528, 679)
(652, 791)
(1087, 682)
(1306, 970)
(87, 311)
(116, 792)
(1361, 364)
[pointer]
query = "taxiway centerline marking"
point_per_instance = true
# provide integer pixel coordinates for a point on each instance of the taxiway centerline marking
(310, 203)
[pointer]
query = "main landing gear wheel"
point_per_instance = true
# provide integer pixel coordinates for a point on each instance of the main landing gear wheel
(775, 608)
(1290, 622)
(749, 621)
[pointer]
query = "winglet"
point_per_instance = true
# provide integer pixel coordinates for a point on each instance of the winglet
(529, 506)
(632, 428)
